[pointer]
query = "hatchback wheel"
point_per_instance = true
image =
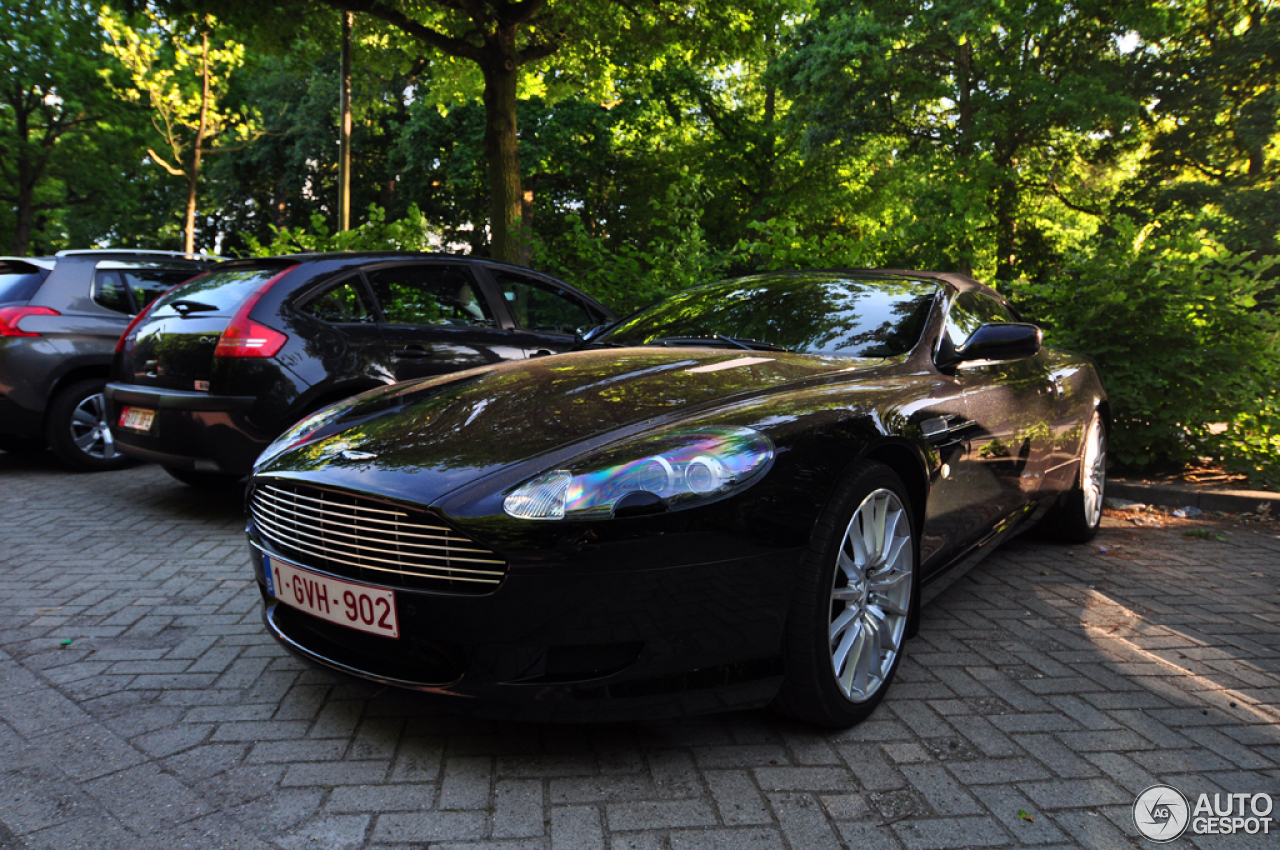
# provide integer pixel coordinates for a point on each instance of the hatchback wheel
(854, 600)
(76, 428)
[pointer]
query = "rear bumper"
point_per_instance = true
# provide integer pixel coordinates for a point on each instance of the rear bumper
(191, 430)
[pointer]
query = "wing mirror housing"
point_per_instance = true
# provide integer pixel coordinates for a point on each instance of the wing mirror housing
(995, 342)
(585, 335)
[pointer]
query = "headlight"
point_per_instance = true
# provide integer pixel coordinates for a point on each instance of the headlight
(303, 431)
(667, 471)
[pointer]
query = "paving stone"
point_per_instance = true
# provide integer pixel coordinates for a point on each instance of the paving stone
(1052, 681)
(576, 828)
(804, 821)
(429, 827)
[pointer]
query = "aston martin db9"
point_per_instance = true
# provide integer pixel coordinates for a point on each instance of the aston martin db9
(738, 496)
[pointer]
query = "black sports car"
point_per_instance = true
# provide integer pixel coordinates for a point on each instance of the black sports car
(736, 496)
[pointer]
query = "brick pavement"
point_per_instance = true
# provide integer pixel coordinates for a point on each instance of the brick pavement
(1045, 690)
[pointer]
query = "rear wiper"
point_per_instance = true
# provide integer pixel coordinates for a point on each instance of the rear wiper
(719, 339)
(185, 306)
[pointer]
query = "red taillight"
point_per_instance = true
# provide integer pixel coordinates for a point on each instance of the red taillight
(247, 338)
(10, 317)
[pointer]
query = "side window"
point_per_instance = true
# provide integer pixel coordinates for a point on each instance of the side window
(109, 291)
(146, 285)
(970, 311)
(345, 302)
(127, 290)
(539, 306)
(430, 295)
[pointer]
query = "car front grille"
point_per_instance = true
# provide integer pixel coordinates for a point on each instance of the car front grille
(371, 540)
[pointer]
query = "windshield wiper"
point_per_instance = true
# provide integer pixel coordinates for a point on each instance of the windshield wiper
(185, 306)
(719, 339)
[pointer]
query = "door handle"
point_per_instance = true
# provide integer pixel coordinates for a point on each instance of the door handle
(415, 352)
(542, 352)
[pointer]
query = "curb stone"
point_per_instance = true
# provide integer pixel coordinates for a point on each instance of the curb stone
(1181, 496)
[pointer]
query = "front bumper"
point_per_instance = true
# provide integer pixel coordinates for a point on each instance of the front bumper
(191, 430)
(606, 646)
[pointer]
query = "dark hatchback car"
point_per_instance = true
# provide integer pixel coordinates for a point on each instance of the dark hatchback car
(739, 495)
(218, 368)
(60, 318)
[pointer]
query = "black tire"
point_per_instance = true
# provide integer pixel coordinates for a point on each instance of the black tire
(1078, 515)
(76, 428)
(812, 689)
(204, 479)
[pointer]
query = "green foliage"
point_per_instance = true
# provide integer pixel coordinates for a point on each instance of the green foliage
(64, 141)
(1251, 443)
(1177, 325)
(411, 233)
(673, 255)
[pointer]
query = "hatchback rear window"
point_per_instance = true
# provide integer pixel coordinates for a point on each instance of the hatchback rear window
(222, 291)
(18, 282)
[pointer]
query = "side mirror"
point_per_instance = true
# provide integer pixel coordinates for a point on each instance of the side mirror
(999, 341)
(584, 336)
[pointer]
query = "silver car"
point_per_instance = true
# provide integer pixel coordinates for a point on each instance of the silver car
(60, 318)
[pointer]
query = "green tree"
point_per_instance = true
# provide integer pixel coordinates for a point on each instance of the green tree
(1214, 121)
(182, 76)
(993, 107)
(55, 116)
(505, 41)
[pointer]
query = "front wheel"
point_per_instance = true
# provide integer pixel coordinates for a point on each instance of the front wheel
(854, 600)
(76, 428)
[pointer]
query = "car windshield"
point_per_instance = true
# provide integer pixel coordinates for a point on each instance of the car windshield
(815, 313)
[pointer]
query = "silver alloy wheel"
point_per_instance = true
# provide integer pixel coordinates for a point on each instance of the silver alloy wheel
(1093, 475)
(89, 429)
(871, 595)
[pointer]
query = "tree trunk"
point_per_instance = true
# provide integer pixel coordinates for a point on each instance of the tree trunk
(193, 174)
(25, 175)
(500, 139)
(24, 216)
(1006, 215)
(344, 131)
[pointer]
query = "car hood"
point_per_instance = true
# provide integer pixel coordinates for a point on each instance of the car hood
(423, 440)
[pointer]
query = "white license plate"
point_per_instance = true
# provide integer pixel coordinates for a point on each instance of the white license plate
(356, 606)
(137, 418)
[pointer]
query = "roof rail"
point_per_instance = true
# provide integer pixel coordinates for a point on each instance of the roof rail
(83, 251)
(39, 262)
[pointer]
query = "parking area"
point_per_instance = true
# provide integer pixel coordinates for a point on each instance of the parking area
(142, 705)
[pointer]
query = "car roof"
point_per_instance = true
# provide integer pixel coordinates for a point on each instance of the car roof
(956, 280)
(323, 256)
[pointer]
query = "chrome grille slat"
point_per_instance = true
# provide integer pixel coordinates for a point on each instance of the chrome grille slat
(275, 512)
(329, 552)
(370, 540)
(323, 512)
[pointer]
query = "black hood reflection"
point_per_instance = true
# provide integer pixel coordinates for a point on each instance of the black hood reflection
(439, 435)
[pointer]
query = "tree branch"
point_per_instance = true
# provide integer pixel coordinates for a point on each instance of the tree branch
(420, 31)
(166, 166)
(518, 13)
